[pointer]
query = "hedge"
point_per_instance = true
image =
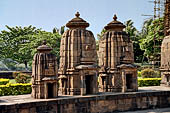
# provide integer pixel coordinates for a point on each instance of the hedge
(149, 82)
(15, 89)
(4, 81)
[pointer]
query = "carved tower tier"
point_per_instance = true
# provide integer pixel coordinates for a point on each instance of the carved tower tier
(44, 73)
(116, 58)
(78, 69)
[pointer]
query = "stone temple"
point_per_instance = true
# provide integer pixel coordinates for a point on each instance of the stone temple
(44, 73)
(78, 70)
(165, 49)
(116, 59)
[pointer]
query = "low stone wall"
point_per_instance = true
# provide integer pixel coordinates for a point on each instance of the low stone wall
(102, 103)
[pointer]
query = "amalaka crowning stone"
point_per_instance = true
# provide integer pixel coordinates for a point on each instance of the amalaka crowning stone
(78, 69)
(115, 25)
(44, 73)
(77, 22)
(116, 58)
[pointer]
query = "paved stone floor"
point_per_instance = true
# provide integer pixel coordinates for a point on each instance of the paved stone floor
(162, 110)
(8, 100)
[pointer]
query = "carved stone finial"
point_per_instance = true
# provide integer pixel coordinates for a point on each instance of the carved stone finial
(44, 42)
(115, 17)
(77, 14)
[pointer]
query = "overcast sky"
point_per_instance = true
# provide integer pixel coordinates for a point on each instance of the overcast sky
(47, 14)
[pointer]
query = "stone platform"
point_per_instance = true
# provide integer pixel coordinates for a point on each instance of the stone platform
(145, 98)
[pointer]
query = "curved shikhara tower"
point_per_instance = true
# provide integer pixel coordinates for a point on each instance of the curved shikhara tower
(78, 70)
(116, 59)
(44, 73)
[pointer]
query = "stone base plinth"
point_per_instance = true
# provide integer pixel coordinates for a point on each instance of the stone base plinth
(145, 98)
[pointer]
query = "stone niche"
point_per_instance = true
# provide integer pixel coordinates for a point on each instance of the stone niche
(44, 73)
(116, 59)
(78, 70)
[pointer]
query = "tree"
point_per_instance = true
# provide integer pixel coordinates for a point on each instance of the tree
(20, 44)
(134, 35)
(152, 30)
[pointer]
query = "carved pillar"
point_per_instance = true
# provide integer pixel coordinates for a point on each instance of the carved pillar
(124, 88)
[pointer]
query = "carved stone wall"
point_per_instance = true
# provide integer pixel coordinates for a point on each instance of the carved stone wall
(44, 73)
(167, 17)
(165, 49)
(116, 57)
(109, 103)
(78, 69)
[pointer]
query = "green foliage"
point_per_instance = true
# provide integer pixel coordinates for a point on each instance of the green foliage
(135, 37)
(99, 37)
(21, 77)
(139, 74)
(149, 82)
(19, 44)
(15, 89)
(149, 73)
(52, 39)
(4, 81)
(152, 30)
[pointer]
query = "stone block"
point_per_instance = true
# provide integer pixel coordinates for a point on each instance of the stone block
(24, 111)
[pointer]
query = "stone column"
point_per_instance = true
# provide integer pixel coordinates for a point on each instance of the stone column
(124, 88)
(83, 85)
(45, 90)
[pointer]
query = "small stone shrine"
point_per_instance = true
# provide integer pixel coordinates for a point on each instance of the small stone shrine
(116, 59)
(78, 69)
(165, 49)
(44, 73)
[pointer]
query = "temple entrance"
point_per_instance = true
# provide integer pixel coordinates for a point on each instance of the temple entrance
(88, 84)
(129, 81)
(50, 90)
(167, 78)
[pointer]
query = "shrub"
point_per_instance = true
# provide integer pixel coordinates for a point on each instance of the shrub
(139, 74)
(149, 73)
(15, 89)
(4, 81)
(149, 82)
(21, 77)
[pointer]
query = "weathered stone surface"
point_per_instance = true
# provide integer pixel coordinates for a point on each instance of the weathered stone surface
(165, 49)
(116, 54)
(167, 18)
(44, 73)
(78, 70)
(108, 102)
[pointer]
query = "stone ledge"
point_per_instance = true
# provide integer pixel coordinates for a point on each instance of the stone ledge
(149, 97)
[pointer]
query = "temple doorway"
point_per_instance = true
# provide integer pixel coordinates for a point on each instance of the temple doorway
(50, 90)
(88, 82)
(129, 81)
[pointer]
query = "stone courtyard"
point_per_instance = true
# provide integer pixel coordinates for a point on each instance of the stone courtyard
(91, 81)
(147, 97)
